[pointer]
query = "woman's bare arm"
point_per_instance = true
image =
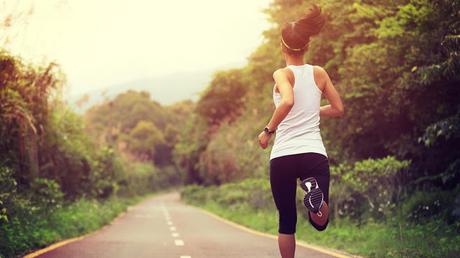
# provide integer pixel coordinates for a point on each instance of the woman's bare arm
(284, 86)
(281, 78)
(335, 108)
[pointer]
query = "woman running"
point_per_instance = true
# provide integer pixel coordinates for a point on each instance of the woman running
(298, 150)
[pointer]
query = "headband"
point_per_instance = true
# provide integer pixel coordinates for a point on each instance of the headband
(288, 47)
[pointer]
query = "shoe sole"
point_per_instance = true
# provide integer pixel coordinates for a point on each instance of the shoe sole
(314, 197)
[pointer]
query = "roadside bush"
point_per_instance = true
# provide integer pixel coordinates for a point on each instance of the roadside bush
(196, 194)
(45, 194)
(378, 181)
(7, 191)
(107, 169)
(424, 206)
(251, 193)
(141, 178)
(30, 231)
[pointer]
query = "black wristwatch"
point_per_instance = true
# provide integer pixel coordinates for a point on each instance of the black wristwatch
(266, 130)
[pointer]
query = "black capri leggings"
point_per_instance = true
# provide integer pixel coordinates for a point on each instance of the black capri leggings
(284, 172)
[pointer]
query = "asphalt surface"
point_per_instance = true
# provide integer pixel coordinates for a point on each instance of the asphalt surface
(164, 227)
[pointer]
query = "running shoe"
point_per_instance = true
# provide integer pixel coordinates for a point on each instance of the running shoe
(314, 197)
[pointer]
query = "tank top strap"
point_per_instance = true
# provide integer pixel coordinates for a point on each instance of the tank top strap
(313, 84)
(298, 75)
(304, 78)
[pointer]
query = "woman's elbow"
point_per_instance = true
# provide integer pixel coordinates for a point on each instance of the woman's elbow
(288, 103)
(340, 111)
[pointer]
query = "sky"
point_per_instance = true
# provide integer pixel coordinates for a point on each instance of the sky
(99, 43)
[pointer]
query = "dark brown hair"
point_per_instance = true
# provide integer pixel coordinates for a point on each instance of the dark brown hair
(295, 36)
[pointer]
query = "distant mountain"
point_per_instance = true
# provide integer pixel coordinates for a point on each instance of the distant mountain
(165, 89)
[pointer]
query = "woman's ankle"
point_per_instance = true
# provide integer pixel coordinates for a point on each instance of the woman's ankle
(321, 219)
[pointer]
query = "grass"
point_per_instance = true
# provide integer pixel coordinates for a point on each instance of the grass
(22, 235)
(371, 239)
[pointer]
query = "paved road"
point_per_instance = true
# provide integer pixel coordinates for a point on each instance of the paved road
(164, 227)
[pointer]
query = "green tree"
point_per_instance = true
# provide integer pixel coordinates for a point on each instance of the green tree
(145, 139)
(222, 99)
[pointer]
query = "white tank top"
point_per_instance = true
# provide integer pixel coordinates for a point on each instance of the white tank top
(299, 130)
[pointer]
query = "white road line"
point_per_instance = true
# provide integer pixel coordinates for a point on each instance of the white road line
(169, 223)
(175, 234)
(185, 256)
(172, 228)
(166, 214)
(179, 242)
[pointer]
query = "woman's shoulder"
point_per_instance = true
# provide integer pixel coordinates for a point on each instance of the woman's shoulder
(319, 71)
(320, 75)
(282, 73)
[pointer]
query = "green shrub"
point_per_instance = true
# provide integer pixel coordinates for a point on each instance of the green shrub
(45, 194)
(378, 181)
(7, 191)
(142, 177)
(423, 206)
(250, 193)
(106, 170)
(198, 194)
(34, 230)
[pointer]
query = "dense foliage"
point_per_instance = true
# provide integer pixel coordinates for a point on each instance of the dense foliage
(138, 126)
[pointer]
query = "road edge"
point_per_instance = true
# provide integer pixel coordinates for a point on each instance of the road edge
(70, 240)
(329, 251)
